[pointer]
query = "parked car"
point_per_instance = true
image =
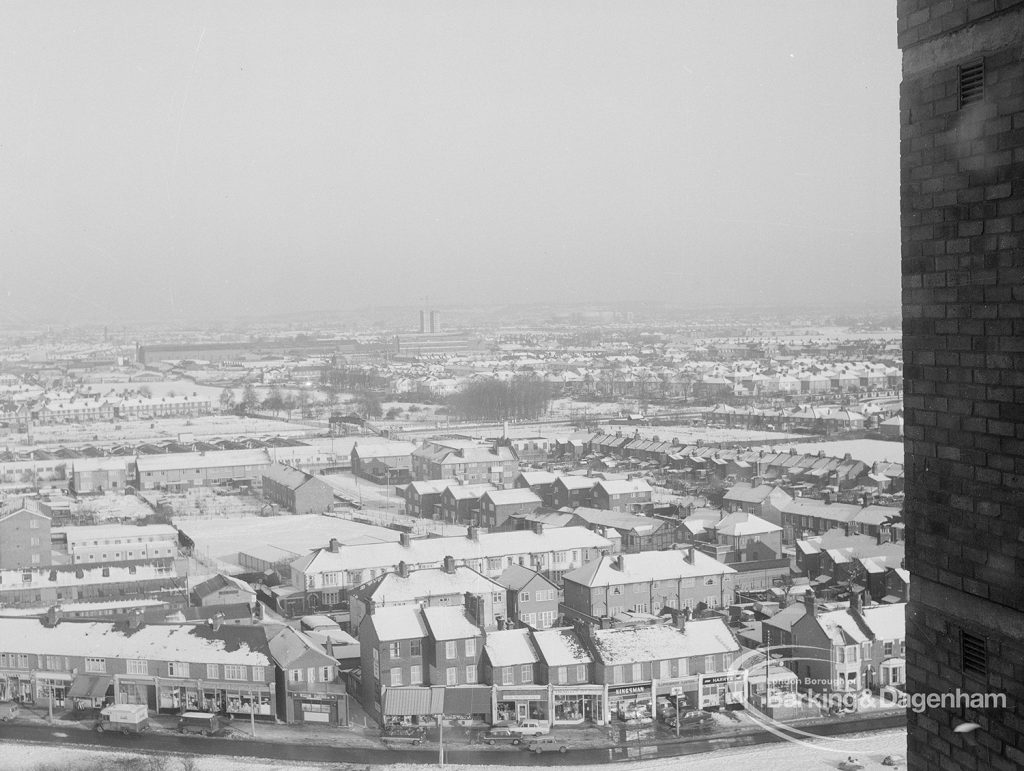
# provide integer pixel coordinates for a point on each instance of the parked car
(126, 718)
(9, 710)
(502, 735)
(205, 723)
(693, 718)
(533, 727)
(546, 744)
(412, 733)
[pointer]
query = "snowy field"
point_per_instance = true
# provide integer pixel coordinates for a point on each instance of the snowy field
(866, 450)
(109, 506)
(869, 749)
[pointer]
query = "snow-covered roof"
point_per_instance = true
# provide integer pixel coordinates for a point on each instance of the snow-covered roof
(399, 622)
(639, 567)
(842, 627)
(510, 647)
(217, 459)
(431, 582)
(744, 493)
(537, 477)
(432, 551)
(663, 641)
(624, 486)
(561, 647)
(577, 482)
(160, 642)
(740, 523)
(887, 622)
(384, 449)
(450, 623)
(82, 534)
(511, 496)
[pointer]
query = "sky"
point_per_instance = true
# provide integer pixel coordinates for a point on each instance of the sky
(193, 160)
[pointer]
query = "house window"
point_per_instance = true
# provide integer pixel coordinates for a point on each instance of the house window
(33, 524)
(709, 663)
(416, 675)
(234, 672)
(470, 648)
(177, 669)
(471, 674)
(53, 663)
(665, 669)
(414, 648)
(581, 673)
(524, 596)
(563, 675)
(295, 675)
(326, 674)
(211, 672)
(258, 674)
(137, 667)
(396, 676)
(508, 676)
(451, 676)
(95, 665)
(394, 650)
(638, 672)
(450, 651)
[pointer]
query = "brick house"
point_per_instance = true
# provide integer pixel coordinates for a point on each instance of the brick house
(542, 483)
(622, 494)
(24, 536)
(531, 598)
(764, 501)
(573, 491)
(297, 491)
(496, 506)
(460, 504)
(391, 648)
(454, 647)
(383, 462)
(423, 498)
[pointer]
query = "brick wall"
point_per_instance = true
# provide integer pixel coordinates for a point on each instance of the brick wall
(962, 205)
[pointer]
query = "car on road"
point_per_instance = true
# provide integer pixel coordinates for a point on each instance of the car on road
(501, 735)
(415, 734)
(533, 727)
(205, 723)
(693, 718)
(546, 744)
(9, 710)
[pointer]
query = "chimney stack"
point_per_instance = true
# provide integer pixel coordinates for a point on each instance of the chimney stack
(449, 564)
(688, 554)
(618, 562)
(537, 527)
(217, 621)
(53, 616)
(334, 546)
(135, 619)
(403, 569)
(474, 534)
(855, 602)
(809, 602)
(405, 540)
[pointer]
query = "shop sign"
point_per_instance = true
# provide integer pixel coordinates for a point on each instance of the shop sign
(521, 696)
(730, 677)
(627, 689)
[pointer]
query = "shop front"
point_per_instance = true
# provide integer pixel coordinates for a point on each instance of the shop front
(579, 705)
(723, 690)
(89, 691)
(685, 690)
(468, 704)
(53, 687)
(328, 706)
(513, 705)
(630, 702)
(223, 698)
(411, 705)
(16, 686)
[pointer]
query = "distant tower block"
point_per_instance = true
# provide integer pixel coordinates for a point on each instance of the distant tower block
(423, 322)
(435, 322)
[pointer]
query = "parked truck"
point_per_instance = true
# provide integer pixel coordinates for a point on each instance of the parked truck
(126, 718)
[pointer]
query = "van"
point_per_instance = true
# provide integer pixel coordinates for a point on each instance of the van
(533, 728)
(9, 710)
(126, 718)
(205, 723)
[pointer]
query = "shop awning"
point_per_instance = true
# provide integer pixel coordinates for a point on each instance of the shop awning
(468, 700)
(414, 701)
(90, 687)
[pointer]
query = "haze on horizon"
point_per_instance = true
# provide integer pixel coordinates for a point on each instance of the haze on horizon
(207, 159)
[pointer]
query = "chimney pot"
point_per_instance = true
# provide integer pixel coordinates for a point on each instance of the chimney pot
(334, 546)
(405, 540)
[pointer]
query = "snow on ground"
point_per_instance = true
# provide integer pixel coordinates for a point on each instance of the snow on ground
(708, 434)
(207, 426)
(110, 506)
(868, 748)
(203, 502)
(866, 450)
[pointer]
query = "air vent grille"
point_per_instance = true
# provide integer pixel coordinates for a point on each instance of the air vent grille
(973, 654)
(972, 83)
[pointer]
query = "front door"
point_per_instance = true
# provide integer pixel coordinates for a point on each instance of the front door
(522, 710)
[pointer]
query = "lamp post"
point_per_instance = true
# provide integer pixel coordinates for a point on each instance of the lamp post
(440, 740)
(252, 712)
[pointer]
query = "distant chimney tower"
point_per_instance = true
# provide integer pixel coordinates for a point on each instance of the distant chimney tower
(435, 322)
(423, 322)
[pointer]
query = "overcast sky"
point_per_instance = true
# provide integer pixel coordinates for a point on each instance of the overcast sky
(216, 158)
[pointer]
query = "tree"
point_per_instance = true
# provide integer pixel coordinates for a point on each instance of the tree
(250, 399)
(146, 392)
(274, 400)
(227, 400)
(522, 397)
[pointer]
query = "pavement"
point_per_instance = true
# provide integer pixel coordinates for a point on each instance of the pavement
(363, 734)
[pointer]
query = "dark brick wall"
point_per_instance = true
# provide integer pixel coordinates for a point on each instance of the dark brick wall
(962, 206)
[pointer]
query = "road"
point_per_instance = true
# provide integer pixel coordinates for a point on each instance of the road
(165, 742)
